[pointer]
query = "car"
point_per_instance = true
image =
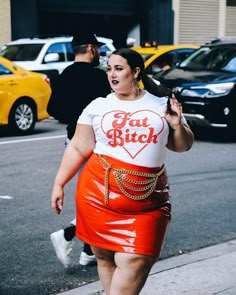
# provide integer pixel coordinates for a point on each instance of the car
(48, 54)
(24, 96)
(105, 50)
(107, 46)
(157, 57)
(205, 85)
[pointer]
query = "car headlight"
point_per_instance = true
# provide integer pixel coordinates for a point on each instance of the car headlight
(212, 90)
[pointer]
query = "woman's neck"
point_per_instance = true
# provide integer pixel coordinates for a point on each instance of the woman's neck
(130, 96)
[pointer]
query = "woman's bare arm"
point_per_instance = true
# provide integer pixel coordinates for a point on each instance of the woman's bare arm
(79, 149)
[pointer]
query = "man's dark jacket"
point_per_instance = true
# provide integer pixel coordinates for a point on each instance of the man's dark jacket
(73, 90)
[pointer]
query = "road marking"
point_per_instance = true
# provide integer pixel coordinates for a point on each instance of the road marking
(33, 139)
(6, 197)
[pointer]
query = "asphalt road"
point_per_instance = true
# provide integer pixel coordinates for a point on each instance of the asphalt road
(203, 191)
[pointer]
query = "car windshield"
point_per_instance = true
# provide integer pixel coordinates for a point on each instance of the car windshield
(21, 52)
(217, 58)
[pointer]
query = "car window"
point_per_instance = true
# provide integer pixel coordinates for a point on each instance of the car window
(103, 50)
(58, 48)
(69, 52)
(196, 60)
(210, 58)
(64, 50)
(4, 70)
(165, 60)
(21, 52)
(182, 54)
(231, 65)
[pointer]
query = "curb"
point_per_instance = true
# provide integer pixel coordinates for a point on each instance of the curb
(185, 264)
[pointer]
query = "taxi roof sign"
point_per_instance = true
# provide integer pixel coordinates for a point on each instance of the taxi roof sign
(149, 44)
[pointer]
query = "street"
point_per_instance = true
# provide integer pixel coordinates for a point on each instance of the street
(202, 185)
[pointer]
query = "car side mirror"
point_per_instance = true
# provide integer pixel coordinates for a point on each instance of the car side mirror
(51, 57)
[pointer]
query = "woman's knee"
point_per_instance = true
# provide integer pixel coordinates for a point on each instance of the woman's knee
(135, 261)
(103, 254)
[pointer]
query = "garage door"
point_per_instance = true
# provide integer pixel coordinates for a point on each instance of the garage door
(198, 21)
(230, 26)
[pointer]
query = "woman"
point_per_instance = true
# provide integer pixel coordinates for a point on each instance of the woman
(122, 199)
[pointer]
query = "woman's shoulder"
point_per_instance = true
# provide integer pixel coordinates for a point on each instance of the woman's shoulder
(100, 101)
(156, 99)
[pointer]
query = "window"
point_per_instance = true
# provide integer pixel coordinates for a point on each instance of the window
(21, 52)
(4, 71)
(69, 52)
(64, 50)
(231, 3)
(211, 58)
(231, 65)
(183, 54)
(58, 48)
(161, 63)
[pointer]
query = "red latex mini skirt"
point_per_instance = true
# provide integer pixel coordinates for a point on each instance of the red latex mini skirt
(108, 217)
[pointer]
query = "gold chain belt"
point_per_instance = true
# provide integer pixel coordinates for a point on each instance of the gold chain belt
(120, 177)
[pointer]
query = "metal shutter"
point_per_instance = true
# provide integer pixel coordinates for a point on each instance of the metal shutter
(230, 25)
(198, 21)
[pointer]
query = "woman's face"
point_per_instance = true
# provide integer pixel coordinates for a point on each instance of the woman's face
(120, 75)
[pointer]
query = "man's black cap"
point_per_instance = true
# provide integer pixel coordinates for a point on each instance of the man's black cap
(84, 39)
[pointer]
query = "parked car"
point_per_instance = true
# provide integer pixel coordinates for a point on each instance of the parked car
(157, 57)
(105, 50)
(24, 97)
(49, 55)
(205, 84)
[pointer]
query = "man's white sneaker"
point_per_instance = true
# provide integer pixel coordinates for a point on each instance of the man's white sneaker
(86, 259)
(62, 247)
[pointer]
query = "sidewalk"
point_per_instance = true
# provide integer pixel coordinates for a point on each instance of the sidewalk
(207, 271)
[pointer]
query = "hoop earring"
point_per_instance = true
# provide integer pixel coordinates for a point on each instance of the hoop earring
(136, 85)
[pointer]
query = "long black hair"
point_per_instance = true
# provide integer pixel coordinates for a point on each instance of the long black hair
(134, 59)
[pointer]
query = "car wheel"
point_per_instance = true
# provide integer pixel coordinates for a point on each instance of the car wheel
(22, 117)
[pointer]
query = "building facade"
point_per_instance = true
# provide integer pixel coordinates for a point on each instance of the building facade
(166, 21)
(5, 21)
(200, 21)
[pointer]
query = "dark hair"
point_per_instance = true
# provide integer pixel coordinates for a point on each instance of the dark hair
(134, 59)
(82, 49)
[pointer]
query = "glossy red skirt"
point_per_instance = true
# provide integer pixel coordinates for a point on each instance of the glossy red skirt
(124, 224)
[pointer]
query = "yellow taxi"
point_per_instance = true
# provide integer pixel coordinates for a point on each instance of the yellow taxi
(24, 97)
(160, 57)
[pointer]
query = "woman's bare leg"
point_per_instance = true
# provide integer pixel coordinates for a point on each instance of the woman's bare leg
(106, 266)
(131, 273)
(122, 273)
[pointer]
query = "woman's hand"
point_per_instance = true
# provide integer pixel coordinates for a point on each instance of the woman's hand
(173, 116)
(180, 137)
(57, 198)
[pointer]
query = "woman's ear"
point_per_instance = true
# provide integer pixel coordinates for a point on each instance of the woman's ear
(136, 72)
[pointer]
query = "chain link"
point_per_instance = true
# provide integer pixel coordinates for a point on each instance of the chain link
(121, 178)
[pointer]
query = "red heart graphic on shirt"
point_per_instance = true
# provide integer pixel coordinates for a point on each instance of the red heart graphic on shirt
(133, 131)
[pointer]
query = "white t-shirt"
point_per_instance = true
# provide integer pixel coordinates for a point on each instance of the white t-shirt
(131, 131)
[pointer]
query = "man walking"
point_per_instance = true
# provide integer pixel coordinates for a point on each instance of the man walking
(72, 91)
